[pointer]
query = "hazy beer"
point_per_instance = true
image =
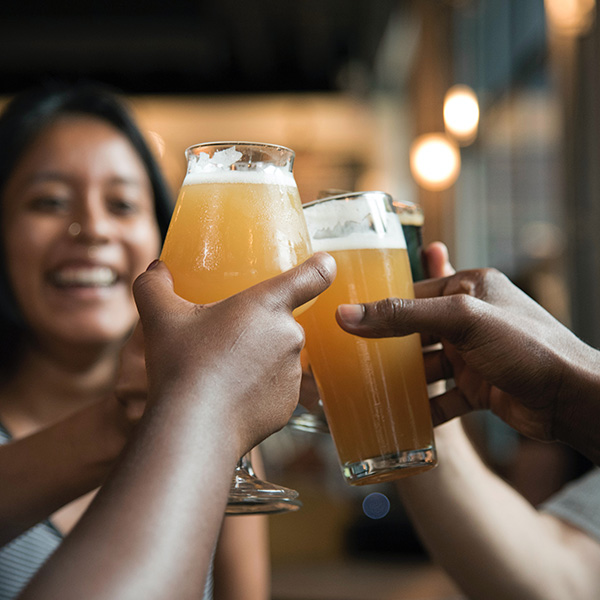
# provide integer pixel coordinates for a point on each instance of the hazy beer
(238, 221)
(374, 392)
(233, 228)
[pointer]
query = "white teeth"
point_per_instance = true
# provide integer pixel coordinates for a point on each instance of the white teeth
(85, 276)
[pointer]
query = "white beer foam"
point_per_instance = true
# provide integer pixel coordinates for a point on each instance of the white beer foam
(358, 242)
(360, 224)
(217, 169)
(276, 177)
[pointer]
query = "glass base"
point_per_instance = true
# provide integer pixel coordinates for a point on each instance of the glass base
(390, 466)
(259, 507)
(250, 495)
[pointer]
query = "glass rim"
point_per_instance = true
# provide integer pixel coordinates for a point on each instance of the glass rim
(404, 205)
(348, 195)
(239, 143)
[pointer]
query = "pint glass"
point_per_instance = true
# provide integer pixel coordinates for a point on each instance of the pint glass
(412, 218)
(238, 221)
(373, 391)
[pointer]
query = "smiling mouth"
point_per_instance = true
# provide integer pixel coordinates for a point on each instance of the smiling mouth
(85, 277)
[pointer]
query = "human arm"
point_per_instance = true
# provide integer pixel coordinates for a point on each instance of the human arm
(45, 470)
(490, 539)
(504, 351)
(221, 378)
(242, 569)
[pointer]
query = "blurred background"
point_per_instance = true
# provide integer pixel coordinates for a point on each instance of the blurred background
(485, 112)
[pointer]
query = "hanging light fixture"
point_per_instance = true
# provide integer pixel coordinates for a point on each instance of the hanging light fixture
(461, 114)
(434, 161)
(570, 17)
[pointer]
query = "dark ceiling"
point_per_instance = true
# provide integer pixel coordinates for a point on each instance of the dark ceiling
(179, 46)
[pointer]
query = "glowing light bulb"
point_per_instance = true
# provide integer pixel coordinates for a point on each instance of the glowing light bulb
(434, 161)
(461, 113)
(572, 17)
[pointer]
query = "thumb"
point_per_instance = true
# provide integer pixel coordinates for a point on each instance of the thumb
(302, 283)
(437, 260)
(154, 294)
(395, 316)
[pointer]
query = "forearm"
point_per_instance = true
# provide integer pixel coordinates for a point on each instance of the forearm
(488, 537)
(242, 568)
(152, 528)
(46, 470)
(578, 413)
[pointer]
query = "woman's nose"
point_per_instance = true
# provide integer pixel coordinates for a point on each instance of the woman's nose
(94, 222)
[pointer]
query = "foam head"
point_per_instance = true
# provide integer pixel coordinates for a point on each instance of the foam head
(360, 221)
(231, 162)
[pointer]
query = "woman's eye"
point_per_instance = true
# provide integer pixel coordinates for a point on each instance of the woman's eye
(121, 206)
(50, 204)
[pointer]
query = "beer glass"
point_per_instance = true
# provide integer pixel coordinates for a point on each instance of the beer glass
(238, 221)
(412, 219)
(374, 391)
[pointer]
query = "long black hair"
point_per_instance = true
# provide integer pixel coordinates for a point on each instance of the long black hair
(23, 119)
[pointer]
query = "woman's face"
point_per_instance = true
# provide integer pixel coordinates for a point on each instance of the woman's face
(78, 227)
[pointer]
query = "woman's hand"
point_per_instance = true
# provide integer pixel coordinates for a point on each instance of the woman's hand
(132, 384)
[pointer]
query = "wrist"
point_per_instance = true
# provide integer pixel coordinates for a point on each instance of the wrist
(578, 409)
(194, 422)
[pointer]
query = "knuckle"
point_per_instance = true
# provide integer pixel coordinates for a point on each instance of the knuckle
(386, 314)
(463, 305)
(298, 337)
(491, 277)
(389, 308)
(321, 274)
(474, 282)
(472, 313)
(484, 281)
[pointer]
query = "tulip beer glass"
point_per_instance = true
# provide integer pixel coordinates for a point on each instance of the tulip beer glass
(373, 391)
(238, 221)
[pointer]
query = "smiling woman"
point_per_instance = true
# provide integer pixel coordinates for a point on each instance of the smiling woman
(83, 210)
(83, 207)
(71, 155)
(76, 289)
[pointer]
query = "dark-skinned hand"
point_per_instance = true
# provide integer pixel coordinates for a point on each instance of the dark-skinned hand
(244, 350)
(503, 350)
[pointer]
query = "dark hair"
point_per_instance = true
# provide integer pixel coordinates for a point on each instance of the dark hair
(24, 118)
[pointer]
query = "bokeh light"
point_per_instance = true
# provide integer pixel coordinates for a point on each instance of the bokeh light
(461, 113)
(376, 505)
(434, 161)
(570, 17)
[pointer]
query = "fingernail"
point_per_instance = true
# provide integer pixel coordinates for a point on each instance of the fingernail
(351, 314)
(152, 264)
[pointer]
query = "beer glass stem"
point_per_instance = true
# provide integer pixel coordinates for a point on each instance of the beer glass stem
(251, 495)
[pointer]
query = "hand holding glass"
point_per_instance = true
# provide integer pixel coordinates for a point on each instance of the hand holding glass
(238, 221)
(374, 392)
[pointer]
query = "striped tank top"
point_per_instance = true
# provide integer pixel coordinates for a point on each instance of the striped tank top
(21, 558)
